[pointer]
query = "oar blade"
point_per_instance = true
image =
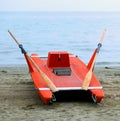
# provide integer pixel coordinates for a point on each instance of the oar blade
(49, 83)
(87, 80)
(43, 75)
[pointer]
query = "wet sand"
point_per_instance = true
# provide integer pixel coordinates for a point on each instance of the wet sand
(20, 102)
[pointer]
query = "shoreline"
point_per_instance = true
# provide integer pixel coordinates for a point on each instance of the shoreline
(97, 64)
(19, 99)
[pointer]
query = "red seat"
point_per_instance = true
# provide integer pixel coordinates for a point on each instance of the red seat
(58, 59)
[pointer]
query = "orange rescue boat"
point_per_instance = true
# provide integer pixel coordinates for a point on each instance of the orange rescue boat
(63, 75)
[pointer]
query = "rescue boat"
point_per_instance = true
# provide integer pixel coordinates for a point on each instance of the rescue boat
(63, 75)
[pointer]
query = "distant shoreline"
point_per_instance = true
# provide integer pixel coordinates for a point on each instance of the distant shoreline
(97, 65)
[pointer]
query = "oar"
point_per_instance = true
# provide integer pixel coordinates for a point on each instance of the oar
(89, 73)
(43, 75)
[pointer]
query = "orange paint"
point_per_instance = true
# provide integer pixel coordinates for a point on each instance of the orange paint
(62, 61)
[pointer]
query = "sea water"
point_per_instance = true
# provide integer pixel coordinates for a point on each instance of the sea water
(75, 32)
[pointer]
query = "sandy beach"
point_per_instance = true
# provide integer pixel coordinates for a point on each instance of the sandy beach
(20, 102)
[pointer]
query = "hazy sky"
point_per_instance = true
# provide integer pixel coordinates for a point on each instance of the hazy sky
(59, 5)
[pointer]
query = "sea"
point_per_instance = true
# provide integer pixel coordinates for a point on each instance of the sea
(75, 32)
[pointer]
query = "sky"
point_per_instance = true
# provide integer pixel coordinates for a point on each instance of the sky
(59, 5)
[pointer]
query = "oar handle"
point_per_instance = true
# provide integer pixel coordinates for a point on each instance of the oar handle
(101, 41)
(102, 37)
(14, 37)
(20, 45)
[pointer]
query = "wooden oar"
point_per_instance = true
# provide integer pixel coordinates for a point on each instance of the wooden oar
(89, 73)
(43, 75)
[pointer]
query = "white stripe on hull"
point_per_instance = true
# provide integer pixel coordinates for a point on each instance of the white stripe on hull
(70, 88)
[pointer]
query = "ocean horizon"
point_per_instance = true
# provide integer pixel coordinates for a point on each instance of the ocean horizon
(74, 32)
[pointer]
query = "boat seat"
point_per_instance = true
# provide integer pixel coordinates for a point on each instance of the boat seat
(60, 63)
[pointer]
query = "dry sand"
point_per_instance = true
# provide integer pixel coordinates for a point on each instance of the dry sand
(20, 102)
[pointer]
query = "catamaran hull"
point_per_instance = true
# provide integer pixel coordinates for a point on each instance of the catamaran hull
(67, 72)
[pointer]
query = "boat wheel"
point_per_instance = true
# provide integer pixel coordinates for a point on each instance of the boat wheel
(94, 98)
(53, 99)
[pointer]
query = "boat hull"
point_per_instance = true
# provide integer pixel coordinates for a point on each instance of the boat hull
(67, 72)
